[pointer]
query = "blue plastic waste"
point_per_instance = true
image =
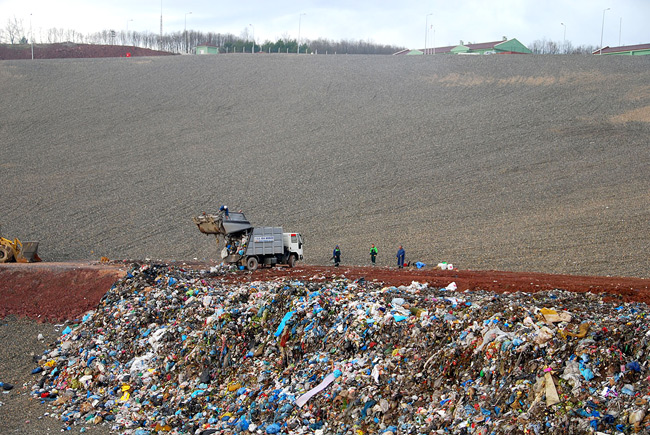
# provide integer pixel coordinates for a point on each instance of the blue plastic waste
(273, 428)
(283, 322)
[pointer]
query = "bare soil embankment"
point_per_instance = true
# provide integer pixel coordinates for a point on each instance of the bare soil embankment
(50, 292)
(65, 291)
(520, 163)
(68, 50)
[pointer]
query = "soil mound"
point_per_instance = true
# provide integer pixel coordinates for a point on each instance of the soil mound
(66, 50)
(54, 291)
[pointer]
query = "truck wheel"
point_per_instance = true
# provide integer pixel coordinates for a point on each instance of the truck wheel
(6, 254)
(252, 263)
(292, 260)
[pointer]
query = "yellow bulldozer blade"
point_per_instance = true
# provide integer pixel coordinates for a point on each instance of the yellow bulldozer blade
(29, 253)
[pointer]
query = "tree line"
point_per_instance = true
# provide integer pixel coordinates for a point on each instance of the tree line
(186, 42)
(545, 46)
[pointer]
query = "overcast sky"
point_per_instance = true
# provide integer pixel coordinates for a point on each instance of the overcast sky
(400, 23)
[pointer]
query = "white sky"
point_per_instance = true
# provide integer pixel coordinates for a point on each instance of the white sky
(399, 23)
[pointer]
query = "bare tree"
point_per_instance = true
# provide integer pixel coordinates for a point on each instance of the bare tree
(245, 34)
(14, 30)
(136, 39)
(545, 46)
(568, 47)
(584, 49)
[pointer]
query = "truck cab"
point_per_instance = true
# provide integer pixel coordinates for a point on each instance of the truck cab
(293, 244)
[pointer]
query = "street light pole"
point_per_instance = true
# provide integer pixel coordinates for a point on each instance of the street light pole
(127, 27)
(426, 32)
(620, 28)
(434, 40)
(253, 49)
(31, 31)
(299, 22)
(161, 37)
(185, 31)
(564, 38)
(602, 30)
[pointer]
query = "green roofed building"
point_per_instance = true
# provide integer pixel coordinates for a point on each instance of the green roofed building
(207, 49)
(626, 50)
(505, 46)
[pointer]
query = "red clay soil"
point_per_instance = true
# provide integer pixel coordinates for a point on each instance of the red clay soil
(624, 288)
(58, 291)
(53, 291)
(72, 50)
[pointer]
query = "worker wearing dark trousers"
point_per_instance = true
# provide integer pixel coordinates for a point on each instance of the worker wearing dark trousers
(373, 254)
(401, 254)
(336, 254)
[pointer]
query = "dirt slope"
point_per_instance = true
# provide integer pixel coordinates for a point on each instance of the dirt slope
(520, 163)
(54, 291)
(68, 50)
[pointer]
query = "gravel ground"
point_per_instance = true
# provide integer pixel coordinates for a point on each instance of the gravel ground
(522, 163)
(19, 412)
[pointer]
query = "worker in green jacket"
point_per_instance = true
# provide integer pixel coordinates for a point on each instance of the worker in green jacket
(373, 254)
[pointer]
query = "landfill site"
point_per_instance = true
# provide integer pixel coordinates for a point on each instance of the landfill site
(186, 209)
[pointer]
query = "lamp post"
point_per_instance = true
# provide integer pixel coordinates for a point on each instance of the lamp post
(620, 28)
(185, 31)
(31, 31)
(299, 22)
(602, 30)
(161, 41)
(127, 29)
(564, 38)
(434, 40)
(426, 32)
(253, 49)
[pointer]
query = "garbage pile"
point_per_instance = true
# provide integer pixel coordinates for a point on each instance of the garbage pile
(176, 351)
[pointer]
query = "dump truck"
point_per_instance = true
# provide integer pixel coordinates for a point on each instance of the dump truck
(249, 246)
(17, 251)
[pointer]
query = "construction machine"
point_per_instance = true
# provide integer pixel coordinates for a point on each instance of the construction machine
(15, 250)
(247, 245)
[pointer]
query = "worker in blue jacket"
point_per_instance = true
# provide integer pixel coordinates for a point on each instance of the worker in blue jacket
(401, 254)
(336, 255)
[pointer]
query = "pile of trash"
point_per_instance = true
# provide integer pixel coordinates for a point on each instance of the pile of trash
(177, 351)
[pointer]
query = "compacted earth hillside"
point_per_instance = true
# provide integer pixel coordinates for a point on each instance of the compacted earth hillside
(516, 163)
